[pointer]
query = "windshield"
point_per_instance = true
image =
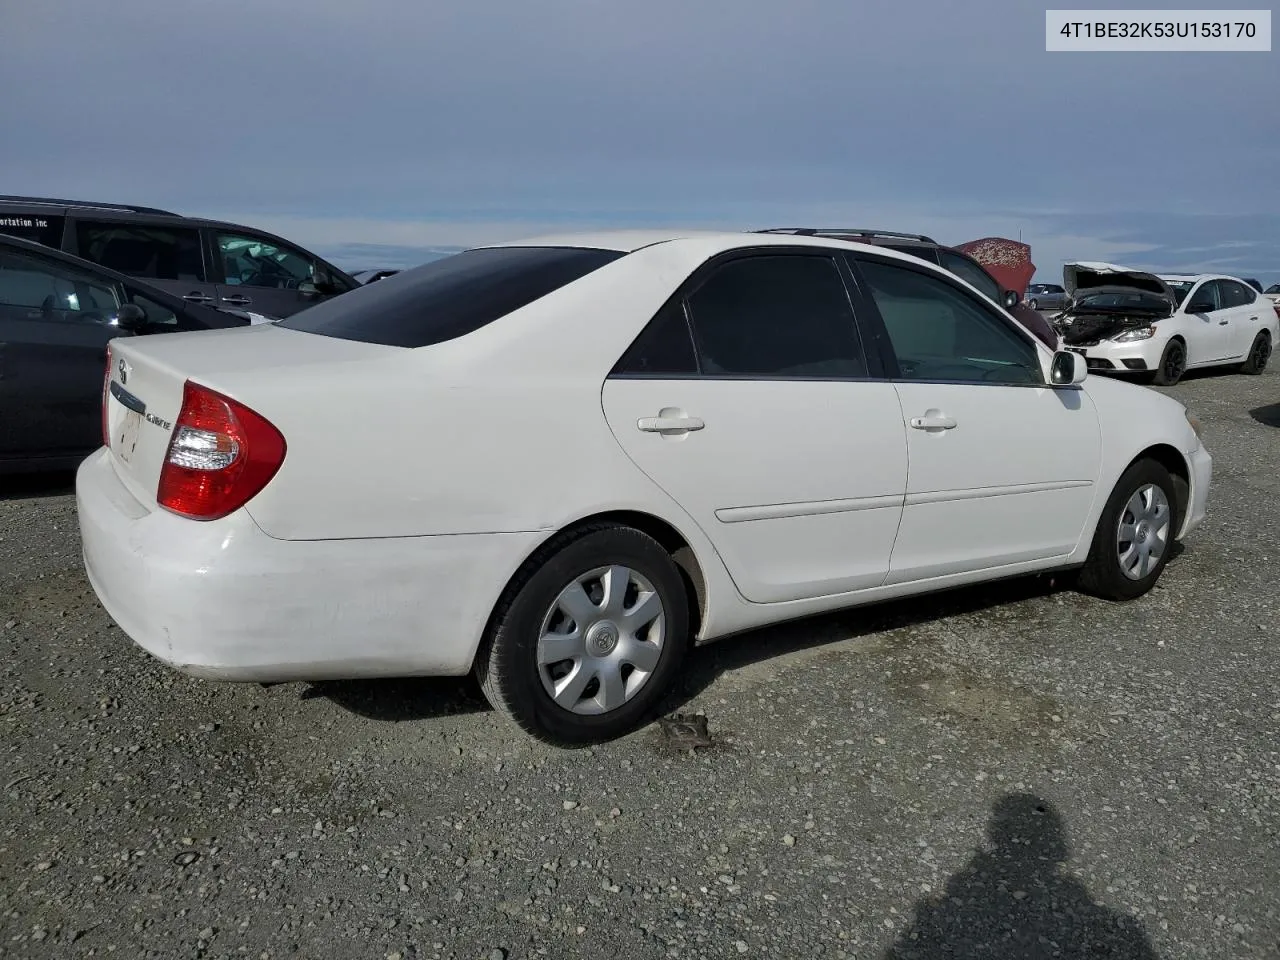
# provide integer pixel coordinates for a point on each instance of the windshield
(1274, 288)
(450, 297)
(1180, 288)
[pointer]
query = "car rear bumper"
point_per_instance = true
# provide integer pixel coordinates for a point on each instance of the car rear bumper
(223, 600)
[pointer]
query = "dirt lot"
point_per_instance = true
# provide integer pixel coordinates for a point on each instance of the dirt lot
(1011, 771)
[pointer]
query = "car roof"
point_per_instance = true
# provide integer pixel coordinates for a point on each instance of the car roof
(629, 241)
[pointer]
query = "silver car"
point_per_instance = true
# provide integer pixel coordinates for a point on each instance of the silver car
(1046, 296)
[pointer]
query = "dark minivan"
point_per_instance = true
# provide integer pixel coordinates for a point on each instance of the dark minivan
(202, 261)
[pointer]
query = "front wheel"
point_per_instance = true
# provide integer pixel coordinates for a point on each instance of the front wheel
(1135, 534)
(1033, 304)
(588, 636)
(1173, 364)
(1259, 354)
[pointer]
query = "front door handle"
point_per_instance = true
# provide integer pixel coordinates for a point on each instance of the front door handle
(933, 423)
(238, 300)
(1223, 323)
(197, 297)
(669, 424)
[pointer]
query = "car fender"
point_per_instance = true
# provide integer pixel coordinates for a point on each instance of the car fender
(1132, 419)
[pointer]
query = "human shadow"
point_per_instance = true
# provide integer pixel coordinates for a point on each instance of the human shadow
(1014, 900)
(1268, 416)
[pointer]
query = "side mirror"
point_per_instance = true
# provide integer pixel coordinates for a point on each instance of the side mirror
(1011, 299)
(1068, 367)
(131, 317)
(1200, 306)
(308, 289)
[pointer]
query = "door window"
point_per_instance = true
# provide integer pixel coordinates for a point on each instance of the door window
(939, 332)
(255, 262)
(139, 250)
(35, 227)
(971, 273)
(37, 289)
(664, 347)
(1206, 298)
(1236, 294)
(157, 315)
(776, 317)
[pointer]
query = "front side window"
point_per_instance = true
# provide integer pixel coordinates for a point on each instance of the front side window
(157, 315)
(36, 289)
(1206, 298)
(971, 273)
(140, 250)
(450, 297)
(254, 262)
(939, 332)
(776, 317)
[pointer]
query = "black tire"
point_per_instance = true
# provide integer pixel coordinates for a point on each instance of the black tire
(507, 663)
(1259, 354)
(1173, 364)
(1102, 574)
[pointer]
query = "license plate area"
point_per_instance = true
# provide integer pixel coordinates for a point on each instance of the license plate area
(128, 436)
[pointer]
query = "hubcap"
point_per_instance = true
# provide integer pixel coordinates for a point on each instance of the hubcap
(1173, 363)
(1143, 532)
(601, 640)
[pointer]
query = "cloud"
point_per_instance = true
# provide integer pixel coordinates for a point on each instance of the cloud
(455, 121)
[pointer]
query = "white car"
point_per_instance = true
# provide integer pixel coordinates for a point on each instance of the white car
(1131, 322)
(558, 463)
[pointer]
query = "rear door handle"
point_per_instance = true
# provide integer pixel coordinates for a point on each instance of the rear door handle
(933, 423)
(1251, 319)
(1223, 323)
(197, 297)
(669, 424)
(238, 300)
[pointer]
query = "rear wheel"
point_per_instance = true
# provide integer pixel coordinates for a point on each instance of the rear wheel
(588, 637)
(1135, 534)
(1259, 354)
(1173, 364)
(1033, 304)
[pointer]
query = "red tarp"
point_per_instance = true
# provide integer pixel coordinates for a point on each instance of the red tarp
(1007, 260)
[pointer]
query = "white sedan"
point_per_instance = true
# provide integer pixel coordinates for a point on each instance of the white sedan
(558, 463)
(1160, 326)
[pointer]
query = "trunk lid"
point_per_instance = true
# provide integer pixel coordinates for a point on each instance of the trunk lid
(147, 374)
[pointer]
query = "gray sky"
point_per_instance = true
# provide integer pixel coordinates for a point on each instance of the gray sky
(374, 130)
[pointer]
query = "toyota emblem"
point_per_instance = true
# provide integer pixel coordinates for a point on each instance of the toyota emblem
(124, 371)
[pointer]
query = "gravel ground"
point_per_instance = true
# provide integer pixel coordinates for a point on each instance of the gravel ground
(1012, 771)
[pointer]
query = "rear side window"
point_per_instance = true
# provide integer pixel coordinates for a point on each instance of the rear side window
(1236, 294)
(448, 298)
(38, 228)
(776, 317)
(140, 250)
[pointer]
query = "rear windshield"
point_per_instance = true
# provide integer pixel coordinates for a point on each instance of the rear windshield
(448, 298)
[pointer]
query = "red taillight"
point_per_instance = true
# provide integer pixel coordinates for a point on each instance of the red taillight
(220, 456)
(106, 401)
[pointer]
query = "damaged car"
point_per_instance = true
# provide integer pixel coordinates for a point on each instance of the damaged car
(1128, 321)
